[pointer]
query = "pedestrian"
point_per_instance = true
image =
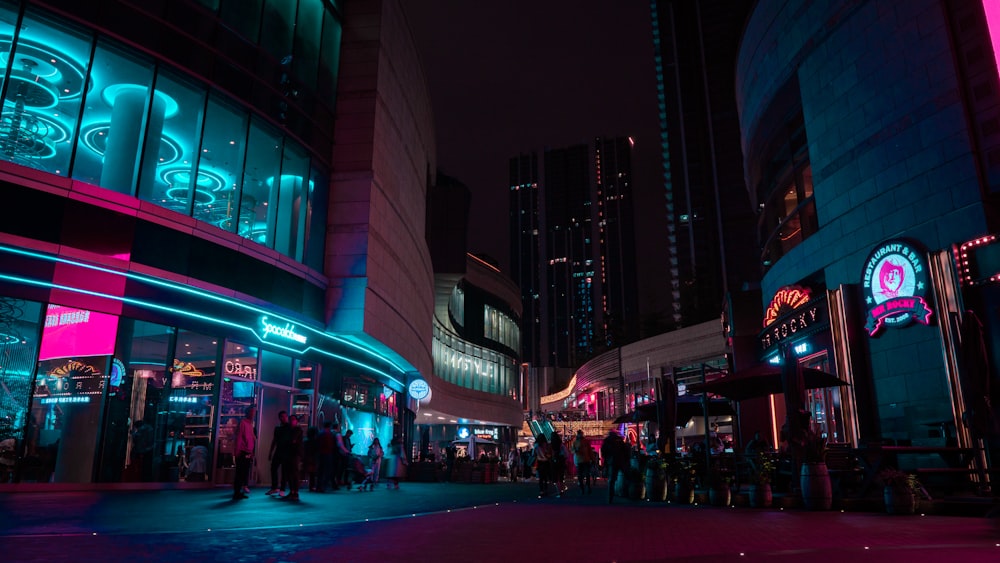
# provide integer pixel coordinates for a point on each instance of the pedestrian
(349, 446)
(276, 454)
(325, 446)
(560, 456)
(616, 455)
(513, 464)
(449, 462)
(582, 460)
(542, 454)
(243, 451)
(292, 458)
(310, 457)
(396, 463)
(341, 457)
(375, 455)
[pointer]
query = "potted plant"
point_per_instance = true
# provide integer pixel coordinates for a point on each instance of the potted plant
(719, 493)
(682, 475)
(899, 491)
(656, 478)
(814, 478)
(761, 472)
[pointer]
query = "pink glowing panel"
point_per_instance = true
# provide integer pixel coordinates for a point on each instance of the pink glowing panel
(992, 9)
(75, 333)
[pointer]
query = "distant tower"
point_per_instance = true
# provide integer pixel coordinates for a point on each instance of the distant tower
(525, 243)
(581, 257)
(708, 209)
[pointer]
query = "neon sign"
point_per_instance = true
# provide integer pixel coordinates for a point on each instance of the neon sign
(894, 285)
(287, 332)
(784, 301)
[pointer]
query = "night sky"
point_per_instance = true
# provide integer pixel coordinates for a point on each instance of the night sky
(520, 75)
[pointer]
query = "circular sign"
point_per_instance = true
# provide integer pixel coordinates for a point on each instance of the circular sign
(895, 282)
(419, 389)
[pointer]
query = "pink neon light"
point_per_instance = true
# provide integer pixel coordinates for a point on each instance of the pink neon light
(76, 333)
(992, 9)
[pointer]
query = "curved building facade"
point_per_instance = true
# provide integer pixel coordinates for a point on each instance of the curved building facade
(870, 143)
(205, 213)
(477, 388)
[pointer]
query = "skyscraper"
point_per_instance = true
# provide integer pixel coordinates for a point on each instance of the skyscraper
(576, 267)
(707, 206)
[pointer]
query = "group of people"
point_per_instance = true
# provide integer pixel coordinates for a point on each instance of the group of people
(549, 461)
(324, 455)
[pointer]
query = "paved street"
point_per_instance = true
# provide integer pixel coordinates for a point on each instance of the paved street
(444, 522)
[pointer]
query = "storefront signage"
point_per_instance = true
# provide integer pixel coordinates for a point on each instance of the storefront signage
(418, 389)
(895, 285)
(287, 331)
(486, 433)
(807, 318)
(785, 300)
(234, 367)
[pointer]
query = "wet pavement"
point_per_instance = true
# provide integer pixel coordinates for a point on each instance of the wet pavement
(444, 522)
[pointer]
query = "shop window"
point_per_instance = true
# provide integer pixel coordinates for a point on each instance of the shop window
(175, 183)
(19, 324)
(45, 80)
(188, 417)
(73, 363)
(261, 183)
(275, 369)
(239, 391)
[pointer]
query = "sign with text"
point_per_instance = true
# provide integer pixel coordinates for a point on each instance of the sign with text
(894, 283)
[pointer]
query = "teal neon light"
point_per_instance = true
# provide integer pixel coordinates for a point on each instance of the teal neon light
(145, 304)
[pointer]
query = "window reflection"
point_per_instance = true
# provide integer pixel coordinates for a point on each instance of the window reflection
(263, 165)
(220, 164)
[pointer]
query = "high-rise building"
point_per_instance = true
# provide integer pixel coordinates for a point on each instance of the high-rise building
(525, 241)
(581, 255)
(707, 205)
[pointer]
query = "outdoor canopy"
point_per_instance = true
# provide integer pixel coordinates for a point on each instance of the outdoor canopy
(761, 381)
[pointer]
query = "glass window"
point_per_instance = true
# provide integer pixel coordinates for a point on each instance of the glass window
(115, 119)
(44, 86)
(19, 324)
(189, 416)
(329, 59)
(176, 149)
(276, 36)
(308, 35)
(316, 221)
(289, 203)
(258, 203)
(243, 16)
(143, 386)
(220, 161)
(275, 368)
(239, 391)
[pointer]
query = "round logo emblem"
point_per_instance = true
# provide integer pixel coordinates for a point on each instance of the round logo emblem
(895, 282)
(419, 389)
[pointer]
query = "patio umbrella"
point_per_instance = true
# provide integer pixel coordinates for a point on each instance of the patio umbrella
(761, 381)
(642, 413)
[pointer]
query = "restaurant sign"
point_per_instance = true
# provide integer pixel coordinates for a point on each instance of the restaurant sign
(895, 285)
(792, 313)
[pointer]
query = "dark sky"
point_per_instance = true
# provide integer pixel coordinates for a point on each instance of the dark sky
(511, 76)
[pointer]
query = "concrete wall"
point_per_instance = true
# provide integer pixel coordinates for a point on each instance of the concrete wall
(377, 257)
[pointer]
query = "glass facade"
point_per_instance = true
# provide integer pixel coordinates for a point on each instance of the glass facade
(473, 367)
(501, 328)
(87, 107)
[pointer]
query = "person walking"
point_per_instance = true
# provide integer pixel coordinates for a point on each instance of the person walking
(560, 456)
(616, 456)
(349, 446)
(277, 452)
(375, 455)
(341, 457)
(395, 463)
(513, 464)
(292, 458)
(542, 453)
(243, 452)
(326, 445)
(582, 460)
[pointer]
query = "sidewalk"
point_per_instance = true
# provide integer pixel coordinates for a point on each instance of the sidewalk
(443, 522)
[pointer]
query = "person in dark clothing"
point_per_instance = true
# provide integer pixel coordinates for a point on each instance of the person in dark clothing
(616, 454)
(326, 445)
(345, 476)
(276, 455)
(292, 458)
